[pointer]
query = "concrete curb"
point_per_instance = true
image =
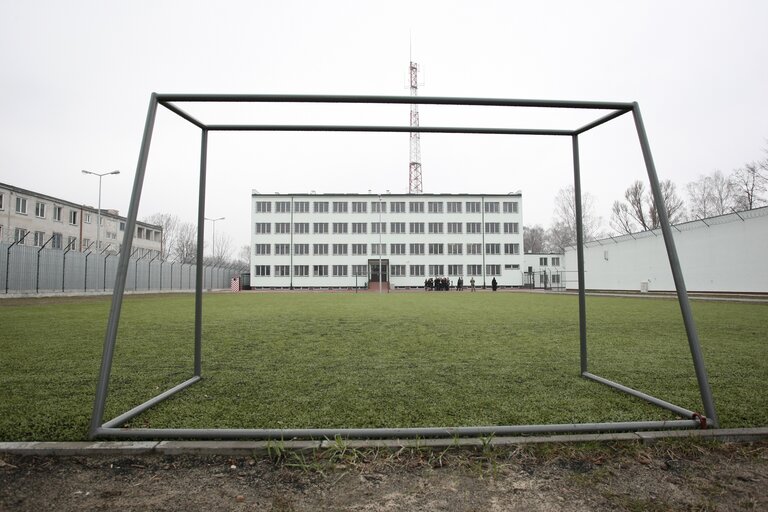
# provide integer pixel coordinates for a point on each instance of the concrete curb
(266, 448)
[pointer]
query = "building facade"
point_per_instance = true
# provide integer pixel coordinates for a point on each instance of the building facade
(544, 270)
(35, 219)
(347, 240)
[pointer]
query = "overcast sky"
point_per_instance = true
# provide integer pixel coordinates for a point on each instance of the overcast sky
(76, 78)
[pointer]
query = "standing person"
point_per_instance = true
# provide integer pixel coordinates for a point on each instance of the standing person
(458, 284)
(472, 283)
(494, 284)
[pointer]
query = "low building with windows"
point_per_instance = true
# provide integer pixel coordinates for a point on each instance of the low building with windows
(36, 219)
(349, 240)
(544, 270)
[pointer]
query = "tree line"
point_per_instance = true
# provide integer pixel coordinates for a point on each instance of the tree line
(710, 195)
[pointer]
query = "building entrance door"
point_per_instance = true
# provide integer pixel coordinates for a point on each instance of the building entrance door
(373, 271)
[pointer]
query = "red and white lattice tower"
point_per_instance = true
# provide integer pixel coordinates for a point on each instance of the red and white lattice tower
(414, 167)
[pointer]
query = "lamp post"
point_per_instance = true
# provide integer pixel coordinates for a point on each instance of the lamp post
(380, 248)
(98, 212)
(213, 235)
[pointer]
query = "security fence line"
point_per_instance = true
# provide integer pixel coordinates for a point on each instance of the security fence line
(25, 269)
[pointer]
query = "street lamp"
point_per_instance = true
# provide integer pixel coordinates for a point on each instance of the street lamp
(380, 248)
(98, 212)
(213, 235)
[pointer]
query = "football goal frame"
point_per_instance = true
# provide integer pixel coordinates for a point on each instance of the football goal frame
(610, 110)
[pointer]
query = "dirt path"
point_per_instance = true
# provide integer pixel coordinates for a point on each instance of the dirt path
(665, 476)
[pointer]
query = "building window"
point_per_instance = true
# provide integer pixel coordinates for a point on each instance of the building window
(301, 249)
(555, 261)
(57, 213)
(397, 270)
(282, 249)
(261, 270)
(375, 249)
(320, 227)
(72, 243)
(454, 207)
(86, 244)
(113, 236)
(436, 227)
(21, 205)
(359, 249)
(474, 270)
(359, 228)
(122, 226)
(437, 270)
(301, 228)
(491, 227)
(417, 270)
(455, 270)
(321, 207)
(378, 207)
(435, 207)
(511, 248)
(73, 217)
(359, 207)
(360, 270)
(87, 218)
(18, 235)
(301, 207)
(474, 248)
(435, 248)
(493, 270)
(542, 262)
(39, 238)
(397, 227)
(454, 227)
(280, 207)
(340, 227)
(416, 207)
(320, 270)
(340, 249)
(510, 206)
(282, 227)
(40, 210)
(56, 241)
(319, 249)
(492, 207)
(416, 227)
(301, 270)
(2, 203)
(261, 228)
(282, 270)
(454, 248)
(473, 206)
(397, 207)
(511, 228)
(417, 249)
(396, 249)
(378, 227)
(339, 207)
(492, 248)
(262, 207)
(340, 270)
(474, 227)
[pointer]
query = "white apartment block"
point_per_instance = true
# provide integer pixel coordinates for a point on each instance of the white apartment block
(67, 225)
(343, 240)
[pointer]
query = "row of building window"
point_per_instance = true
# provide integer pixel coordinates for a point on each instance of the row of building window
(362, 270)
(381, 206)
(56, 241)
(361, 228)
(377, 249)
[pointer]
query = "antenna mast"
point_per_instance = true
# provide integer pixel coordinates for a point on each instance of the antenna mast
(414, 167)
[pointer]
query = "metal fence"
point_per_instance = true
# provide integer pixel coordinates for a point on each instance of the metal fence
(25, 269)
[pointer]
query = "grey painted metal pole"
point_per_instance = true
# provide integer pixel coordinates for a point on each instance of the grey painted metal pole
(102, 387)
(199, 269)
(580, 254)
(677, 273)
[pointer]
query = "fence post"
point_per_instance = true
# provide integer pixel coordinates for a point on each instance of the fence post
(64, 264)
(106, 257)
(85, 272)
(149, 273)
(37, 276)
(8, 258)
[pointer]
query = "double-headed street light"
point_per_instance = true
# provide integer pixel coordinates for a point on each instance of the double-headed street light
(98, 212)
(213, 235)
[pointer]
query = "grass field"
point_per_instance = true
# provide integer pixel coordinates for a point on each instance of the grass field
(369, 360)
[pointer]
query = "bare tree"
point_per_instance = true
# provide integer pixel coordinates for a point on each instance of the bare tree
(244, 257)
(711, 195)
(562, 234)
(535, 239)
(750, 183)
(170, 224)
(222, 250)
(185, 248)
(639, 209)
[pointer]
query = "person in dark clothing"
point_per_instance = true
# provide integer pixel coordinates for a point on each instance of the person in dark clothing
(494, 284)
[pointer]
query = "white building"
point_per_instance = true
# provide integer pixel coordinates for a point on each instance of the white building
(339, 240)
(544, 270)
(726, 253)
(67, 225)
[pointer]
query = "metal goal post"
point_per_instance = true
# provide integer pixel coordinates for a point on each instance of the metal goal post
(611, 110)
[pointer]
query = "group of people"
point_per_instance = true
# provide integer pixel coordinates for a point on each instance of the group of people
(445, 284)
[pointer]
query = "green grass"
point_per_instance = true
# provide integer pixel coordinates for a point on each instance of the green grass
(370, 360)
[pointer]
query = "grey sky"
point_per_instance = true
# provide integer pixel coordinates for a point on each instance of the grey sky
(76, 79)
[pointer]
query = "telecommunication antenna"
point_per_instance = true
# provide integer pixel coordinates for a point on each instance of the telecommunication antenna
(414, 167)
